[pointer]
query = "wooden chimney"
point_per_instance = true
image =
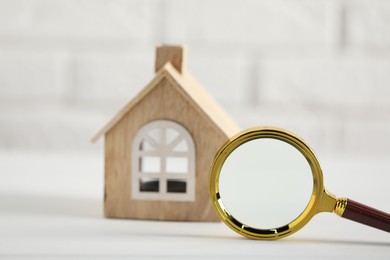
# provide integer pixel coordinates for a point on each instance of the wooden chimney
(173, 54)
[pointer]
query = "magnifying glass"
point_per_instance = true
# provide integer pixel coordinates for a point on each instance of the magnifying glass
(266, 183)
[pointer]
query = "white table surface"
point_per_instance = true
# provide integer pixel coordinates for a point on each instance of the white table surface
(51, 208)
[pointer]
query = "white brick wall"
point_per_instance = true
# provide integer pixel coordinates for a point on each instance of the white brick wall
(25, 74)
(249, 22)
(320, 68)
(368, 23)
(74, 19)
(104, 76)
(227, 81)
(341, 81)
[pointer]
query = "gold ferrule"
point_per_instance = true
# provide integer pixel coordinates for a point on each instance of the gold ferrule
(341, 204)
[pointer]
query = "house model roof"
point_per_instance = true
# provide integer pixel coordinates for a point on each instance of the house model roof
(184, 82)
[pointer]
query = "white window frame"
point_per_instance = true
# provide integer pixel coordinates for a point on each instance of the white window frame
(163, 151)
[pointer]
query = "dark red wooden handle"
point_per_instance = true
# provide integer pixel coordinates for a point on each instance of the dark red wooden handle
(366, 215)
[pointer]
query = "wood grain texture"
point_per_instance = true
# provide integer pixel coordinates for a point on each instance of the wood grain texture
(173, 94)
(166, 100)
(173, 54)
(192, 91)
(366, 215)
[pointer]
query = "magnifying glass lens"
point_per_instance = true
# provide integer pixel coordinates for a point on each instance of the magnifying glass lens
(265, 183)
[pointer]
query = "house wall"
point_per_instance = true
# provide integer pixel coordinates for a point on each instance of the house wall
(320, 68)
(164, 102)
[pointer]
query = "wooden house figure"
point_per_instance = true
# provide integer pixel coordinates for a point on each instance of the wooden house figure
(160, 146)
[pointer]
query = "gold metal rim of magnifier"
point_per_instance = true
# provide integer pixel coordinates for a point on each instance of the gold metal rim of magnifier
(320, 199)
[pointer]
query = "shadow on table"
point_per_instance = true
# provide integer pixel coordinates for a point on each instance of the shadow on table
(295, 240)
(61, 205)
(57, 205)
(338, 242)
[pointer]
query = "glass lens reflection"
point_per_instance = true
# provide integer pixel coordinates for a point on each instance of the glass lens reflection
(265, 183)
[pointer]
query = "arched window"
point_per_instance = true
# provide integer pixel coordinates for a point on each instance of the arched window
(163, 163)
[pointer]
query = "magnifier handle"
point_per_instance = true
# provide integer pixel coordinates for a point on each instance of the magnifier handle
(363, 214)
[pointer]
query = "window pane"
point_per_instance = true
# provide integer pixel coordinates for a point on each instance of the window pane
(149, 185)
(155, 134)
(179, 186)
(145, 146)
(177, 165)
(181, 147)
(150, 164)
(171, 135)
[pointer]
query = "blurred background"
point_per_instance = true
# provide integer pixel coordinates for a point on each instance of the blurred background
(319, 68)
